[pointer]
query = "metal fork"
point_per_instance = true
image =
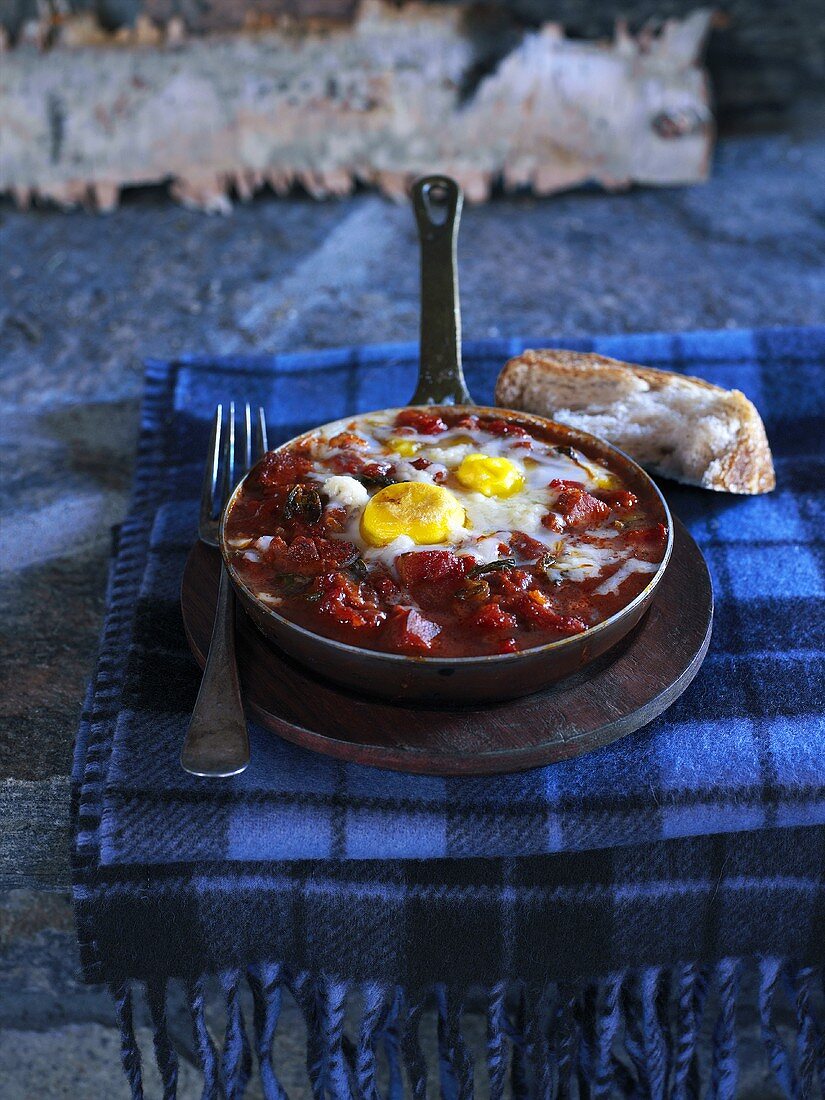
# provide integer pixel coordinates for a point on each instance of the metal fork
(216, 742)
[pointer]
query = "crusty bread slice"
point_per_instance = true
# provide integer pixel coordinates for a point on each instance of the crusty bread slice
(674, 425)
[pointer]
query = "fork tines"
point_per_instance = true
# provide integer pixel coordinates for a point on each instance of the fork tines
(233, 450)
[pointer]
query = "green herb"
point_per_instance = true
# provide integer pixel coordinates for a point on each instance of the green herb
(547, 563)
(304, 503)
(356, 565)
(291, 584)
(474, 590)
(493, 567)
(358, 568)
(375, 481)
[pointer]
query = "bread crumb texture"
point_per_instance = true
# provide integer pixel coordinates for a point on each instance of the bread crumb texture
(674, 425)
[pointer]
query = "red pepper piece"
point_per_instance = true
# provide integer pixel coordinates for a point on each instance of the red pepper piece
(342, 613)
(580, 509)
(275, 551)
(377, 469)
(384, 585)
(650, 537)
(367, 618)
(533, 611)
(347, 439)
(313, 556)
(422, 422)
(514, 580)
(337, 552)
(410, 630)
(347, 462)
(497, 426)
(526, 547)
(335, 519)
(283, 468)
(432, 576)
(552, 522)
(303, 557)
(429, 567)
(617, 498)
(493, 618)
(348, 602)
(560, 483)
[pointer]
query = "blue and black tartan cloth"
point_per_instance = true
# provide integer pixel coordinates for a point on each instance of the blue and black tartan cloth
(610, 891)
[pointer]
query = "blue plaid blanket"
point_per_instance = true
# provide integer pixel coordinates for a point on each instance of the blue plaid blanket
(688, 845)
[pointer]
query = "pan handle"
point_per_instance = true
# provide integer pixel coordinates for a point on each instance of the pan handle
(437, 202)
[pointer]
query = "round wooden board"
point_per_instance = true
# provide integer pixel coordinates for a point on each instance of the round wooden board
(615, 695)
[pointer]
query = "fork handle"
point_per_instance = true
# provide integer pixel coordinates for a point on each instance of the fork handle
(217, 743)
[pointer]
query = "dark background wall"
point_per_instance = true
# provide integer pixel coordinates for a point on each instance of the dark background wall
(763, 54)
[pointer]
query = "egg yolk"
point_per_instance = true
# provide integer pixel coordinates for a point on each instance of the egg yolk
(490, 476)
(404, 447)
(424, 512)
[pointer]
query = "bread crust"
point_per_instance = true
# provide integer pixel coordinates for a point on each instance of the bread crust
(544, 380)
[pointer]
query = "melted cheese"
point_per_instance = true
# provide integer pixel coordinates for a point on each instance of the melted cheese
(405, 471)
(519, 513)
(489, 520)
(386, 555)
(489, 549)
(345, 491)
(632, 565)
(450, 456)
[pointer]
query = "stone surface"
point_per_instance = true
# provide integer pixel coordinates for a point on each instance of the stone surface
(34, 846)
(89, 1059)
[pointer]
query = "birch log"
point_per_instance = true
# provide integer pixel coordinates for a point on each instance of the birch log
(379, 101)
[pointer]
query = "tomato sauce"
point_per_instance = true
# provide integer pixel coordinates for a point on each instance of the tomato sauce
(439, 533)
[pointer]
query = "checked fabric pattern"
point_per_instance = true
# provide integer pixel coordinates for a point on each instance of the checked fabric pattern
(625, 848)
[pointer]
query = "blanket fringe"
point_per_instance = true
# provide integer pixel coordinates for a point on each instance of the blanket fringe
(165, 1055)
(660, 1033)
(415, 1061)
(691, 994)
(204, 1047)
(265, 984)
(129, 1050)
(237, 1054)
